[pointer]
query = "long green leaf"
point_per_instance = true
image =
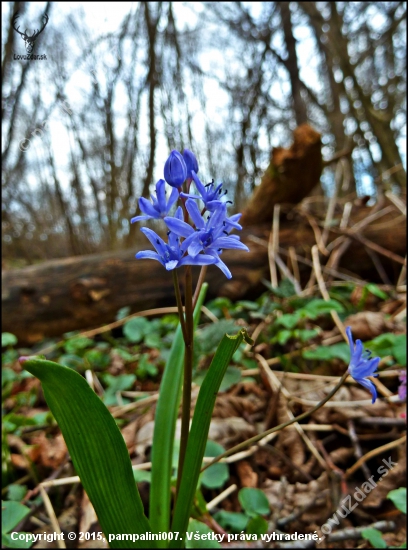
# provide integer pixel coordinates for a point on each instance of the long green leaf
(199, 430)
(97, 448)
(164, 429)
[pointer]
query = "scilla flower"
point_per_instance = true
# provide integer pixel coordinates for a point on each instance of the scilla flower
(209, 194)
(160, 208)
(175, 170)
(172, 254)
(191, 162)
(362, 364)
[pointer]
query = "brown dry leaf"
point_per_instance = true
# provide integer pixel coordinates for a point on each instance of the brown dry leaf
(396, 477)
(88, 515)
(247, 476)
(366, 325)
(50, 452)
(19, 461)
(129, 434)
(291, 444)
(228, 405)
(67, 522)
(341, 456)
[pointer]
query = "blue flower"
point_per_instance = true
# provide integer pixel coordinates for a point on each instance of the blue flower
(175, 170)
(159, 208)
(171, 254)
(211, 236)
(191, 162)
(209, 194)
(362, 364)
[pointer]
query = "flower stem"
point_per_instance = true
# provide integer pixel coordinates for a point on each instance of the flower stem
(258, 437)
(200, 281)
(179, 304)
(188, 373)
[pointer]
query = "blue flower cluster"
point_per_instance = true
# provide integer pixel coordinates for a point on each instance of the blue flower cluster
(362, 364)
(192, 238)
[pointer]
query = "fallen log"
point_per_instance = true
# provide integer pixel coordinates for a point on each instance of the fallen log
(82, 292)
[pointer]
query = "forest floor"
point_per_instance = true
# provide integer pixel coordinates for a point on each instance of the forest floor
(306, 472)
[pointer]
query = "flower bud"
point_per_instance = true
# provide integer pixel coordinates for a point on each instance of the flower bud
(191, 162)
(175, 170)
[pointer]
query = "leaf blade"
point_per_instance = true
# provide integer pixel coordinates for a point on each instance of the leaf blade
(97, 449)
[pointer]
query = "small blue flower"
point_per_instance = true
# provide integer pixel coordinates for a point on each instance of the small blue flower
(171, 254)
(209, 194)
(362, 364)
(211, 236)
(175, 170)
(160, 208)
(191, 162)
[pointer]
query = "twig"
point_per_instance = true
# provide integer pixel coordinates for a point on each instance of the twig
(52, 516)
(273, 246)
(323, 290)
(374, 452)
(397, 201)
(295, 265)
(276, 385)
(358, 453)
(219, 498)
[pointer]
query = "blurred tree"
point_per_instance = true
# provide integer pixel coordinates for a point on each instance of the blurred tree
(86, 132)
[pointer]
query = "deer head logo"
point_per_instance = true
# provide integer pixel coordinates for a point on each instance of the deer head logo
(29, 40)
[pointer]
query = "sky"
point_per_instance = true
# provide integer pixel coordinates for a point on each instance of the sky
(105, 17)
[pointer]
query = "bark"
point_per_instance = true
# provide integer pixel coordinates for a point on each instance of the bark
(58, 296)
(292, 64)
(290, 176)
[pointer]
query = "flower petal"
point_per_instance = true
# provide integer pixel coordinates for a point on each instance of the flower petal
(173, 198)
(369, 385)
(194, 212)
(228, 242)
(178, 226)
(147, 208)
(161, 195)
(148, 255)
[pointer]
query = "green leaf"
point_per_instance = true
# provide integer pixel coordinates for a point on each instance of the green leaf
(98, 359)
(257, 526)
(71, 361)
(199, 428)
(315, 308)
(142, 475)
(121, 382)
(215, 476)
(232, 521)
(282, 337)
(97, 450)
(135, 329)
(371, 287)
(254, 502)
(306, 334)
(374, 537)
(289, 320)
(16, 492)
(164, 429)
(77, 343)
(327, 353)
(122, 313)
(399, 498)
(203, 531)
(209, 337)
(232, 376)
(8, 339)
(145, 367)
(8, 542)
(12, 514)
(399, 349)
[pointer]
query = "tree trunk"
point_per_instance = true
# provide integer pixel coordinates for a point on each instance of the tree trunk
(58, 296)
